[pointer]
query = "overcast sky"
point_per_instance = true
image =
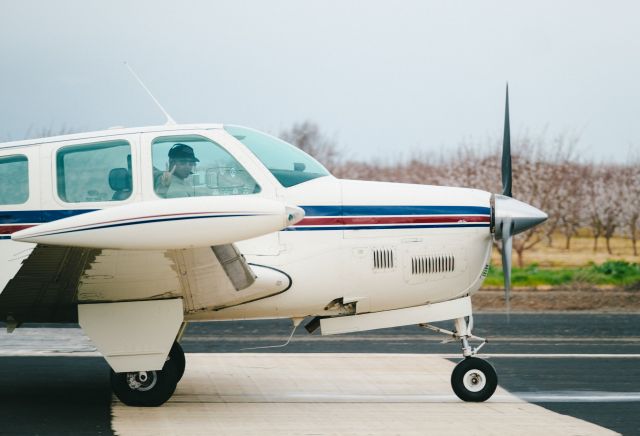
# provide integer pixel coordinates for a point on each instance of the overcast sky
(385, 78)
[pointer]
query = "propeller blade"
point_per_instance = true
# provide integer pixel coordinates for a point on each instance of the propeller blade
(506, 151)
(507, 243)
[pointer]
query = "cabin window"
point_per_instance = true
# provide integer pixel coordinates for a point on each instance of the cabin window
(14, 179)
(194, 166)
(290, 165)
(94, 172)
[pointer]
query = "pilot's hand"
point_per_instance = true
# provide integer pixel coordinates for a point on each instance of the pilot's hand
(165, 179)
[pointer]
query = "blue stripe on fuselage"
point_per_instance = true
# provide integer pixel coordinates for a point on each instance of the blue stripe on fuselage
(312, 211)
(378, 227)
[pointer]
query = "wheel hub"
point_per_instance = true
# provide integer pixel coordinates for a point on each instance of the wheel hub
(474, 380)
(142, 380)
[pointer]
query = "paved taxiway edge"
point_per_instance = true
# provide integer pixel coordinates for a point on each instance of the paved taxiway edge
(333, 394)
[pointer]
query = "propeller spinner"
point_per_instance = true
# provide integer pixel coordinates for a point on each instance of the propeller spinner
(510, 216)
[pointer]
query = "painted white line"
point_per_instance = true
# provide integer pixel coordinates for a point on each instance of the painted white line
(339, 397)
(578, 397)
(562, 355)
(430, 338)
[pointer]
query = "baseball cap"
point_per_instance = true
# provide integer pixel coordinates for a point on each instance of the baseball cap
(182, 151)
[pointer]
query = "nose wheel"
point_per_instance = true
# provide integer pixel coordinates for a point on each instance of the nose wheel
(474, 380)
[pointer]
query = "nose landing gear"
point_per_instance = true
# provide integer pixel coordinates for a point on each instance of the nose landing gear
(473, 379)
(150, 388)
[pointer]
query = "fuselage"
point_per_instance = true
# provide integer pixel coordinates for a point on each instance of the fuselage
(361, 247)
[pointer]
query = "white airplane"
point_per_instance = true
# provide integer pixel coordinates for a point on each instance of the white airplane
(133, 233)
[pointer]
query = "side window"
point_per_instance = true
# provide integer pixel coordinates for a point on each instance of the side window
(193, 166)
(94, 172)
(14, 179)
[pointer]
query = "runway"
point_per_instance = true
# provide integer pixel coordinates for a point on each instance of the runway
(559, 373)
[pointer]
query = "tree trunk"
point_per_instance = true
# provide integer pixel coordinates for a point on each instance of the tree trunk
(520, 254)
(595, 244)
(607, 238)
(634, 235)
(568, 245)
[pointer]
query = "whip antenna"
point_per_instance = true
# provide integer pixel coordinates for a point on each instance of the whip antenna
(170, 120)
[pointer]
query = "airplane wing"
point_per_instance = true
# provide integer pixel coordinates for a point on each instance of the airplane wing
(45, 287)
(146, 251)
(53, 280)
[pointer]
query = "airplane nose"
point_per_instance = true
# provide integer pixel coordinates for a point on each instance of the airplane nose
(521, 216)
(294, 214)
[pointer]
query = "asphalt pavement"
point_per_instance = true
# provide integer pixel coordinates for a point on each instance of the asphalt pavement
(586, 365)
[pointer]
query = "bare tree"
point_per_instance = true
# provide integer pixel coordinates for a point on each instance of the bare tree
(42, 132)
(595, 189)
(473, 167)
(569, 206)
(308, 137)
(564, 208)
(612, 206)
(631, 202)
(45, 132)
(604, 189)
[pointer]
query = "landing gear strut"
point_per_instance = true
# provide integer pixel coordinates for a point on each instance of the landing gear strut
(473, 379)
(150, 388)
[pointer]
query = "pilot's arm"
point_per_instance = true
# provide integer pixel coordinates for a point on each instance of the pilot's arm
(162, 181)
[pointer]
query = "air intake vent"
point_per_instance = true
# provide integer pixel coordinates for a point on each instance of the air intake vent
(485, 271)
(432, 264)
(383, 259)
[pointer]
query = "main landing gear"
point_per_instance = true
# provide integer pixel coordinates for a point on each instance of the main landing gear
(150, 388)
(472, 379)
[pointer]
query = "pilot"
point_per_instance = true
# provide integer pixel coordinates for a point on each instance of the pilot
(175, 181)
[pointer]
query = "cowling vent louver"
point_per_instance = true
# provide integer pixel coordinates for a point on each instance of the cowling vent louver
(432, 264)
(383, 259)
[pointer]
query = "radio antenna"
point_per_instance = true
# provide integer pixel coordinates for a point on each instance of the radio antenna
(170, 120)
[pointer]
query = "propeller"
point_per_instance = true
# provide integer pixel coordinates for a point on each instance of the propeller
(507, 243)
(506, 151)
(507, 224)
(509, 215)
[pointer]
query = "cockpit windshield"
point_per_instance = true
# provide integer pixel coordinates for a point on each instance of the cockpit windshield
(290, 165)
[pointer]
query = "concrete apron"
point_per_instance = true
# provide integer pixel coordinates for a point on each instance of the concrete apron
(373, 394)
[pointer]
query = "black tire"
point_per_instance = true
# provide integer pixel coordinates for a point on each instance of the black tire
(177, 355)
(474, 380)
(154, 391)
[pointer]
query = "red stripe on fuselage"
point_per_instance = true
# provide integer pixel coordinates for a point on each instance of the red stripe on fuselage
(327, 221)
(7, 230)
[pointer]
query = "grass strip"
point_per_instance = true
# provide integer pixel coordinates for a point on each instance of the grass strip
(612, 272)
